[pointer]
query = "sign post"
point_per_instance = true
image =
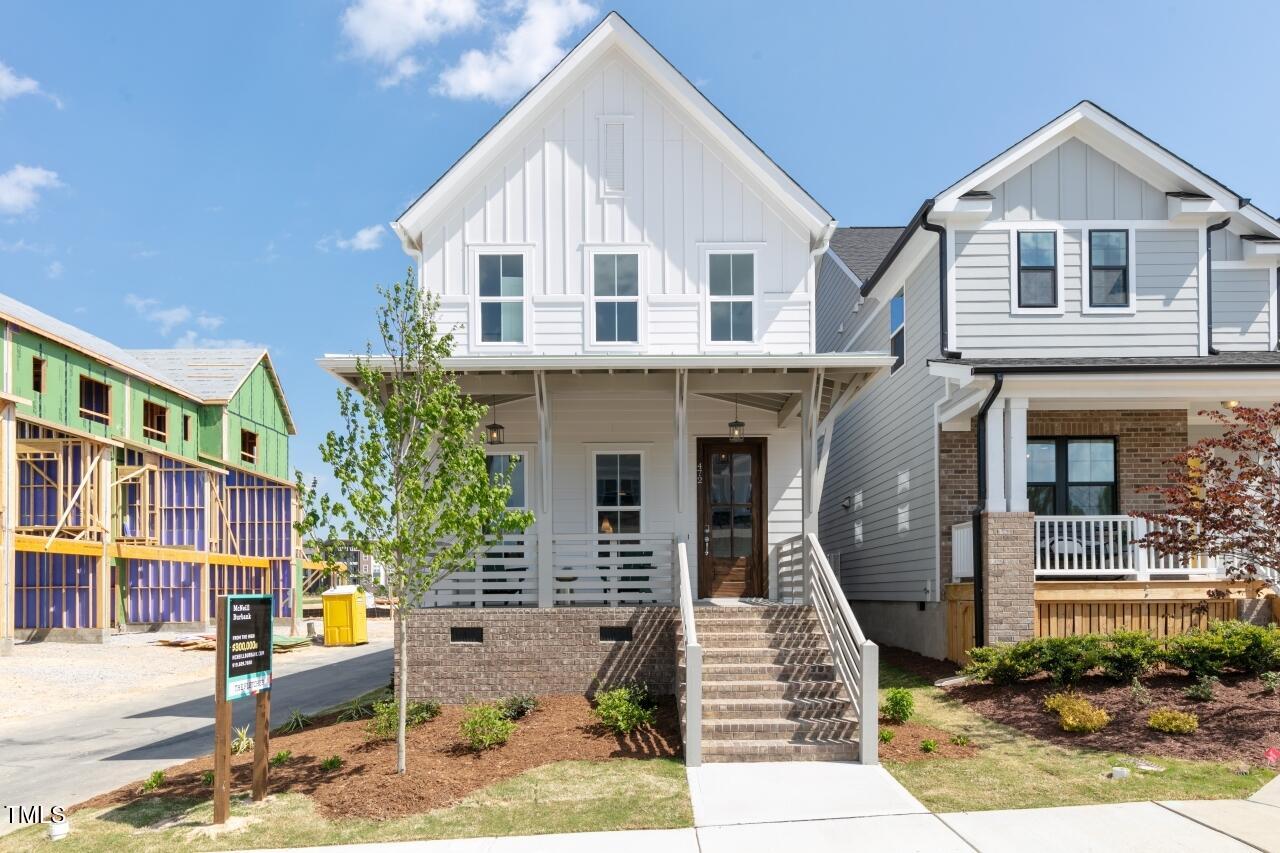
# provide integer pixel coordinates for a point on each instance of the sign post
(243, 669)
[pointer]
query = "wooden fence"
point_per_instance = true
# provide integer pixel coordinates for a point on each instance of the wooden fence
(1070, 608)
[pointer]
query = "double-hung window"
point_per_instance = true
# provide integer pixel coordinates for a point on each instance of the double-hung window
(1037, 269)
(618, 502)
(501, 298)
(732, 296)
(616, 291)
(1072, 476)
(1109, 285)
(898, 329)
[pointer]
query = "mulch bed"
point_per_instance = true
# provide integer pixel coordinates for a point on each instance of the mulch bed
(1238, 724)
(442, 768)
(907, 736)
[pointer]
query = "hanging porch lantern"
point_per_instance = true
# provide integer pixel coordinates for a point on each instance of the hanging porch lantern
(494, 431)
(737, 429)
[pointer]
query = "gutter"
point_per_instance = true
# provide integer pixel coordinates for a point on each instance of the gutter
(824, 241)
(979, 370)
(979, 578)
(943, 324)
(1208, 278)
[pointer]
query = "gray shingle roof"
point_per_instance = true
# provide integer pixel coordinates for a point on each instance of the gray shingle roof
(862, 248)
(1226, 361)
(210, 374)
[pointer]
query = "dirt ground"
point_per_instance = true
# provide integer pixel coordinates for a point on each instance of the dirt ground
(907, 737)
(68, 676)
(442, 768)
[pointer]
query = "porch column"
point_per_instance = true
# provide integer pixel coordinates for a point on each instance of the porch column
(1016, 454)
(995, 458)
(543, 524)
(680, 451)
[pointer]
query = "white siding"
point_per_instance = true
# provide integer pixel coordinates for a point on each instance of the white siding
(883, 458)
(683, 191)
(1166, 321)
(1241, 309)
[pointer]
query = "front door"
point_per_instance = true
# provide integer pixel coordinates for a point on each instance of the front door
(731, 518)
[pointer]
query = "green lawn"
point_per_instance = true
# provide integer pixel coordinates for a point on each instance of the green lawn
(1014, 770)
(569, 796)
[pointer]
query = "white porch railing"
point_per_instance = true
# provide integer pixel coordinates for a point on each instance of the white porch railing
(612, 569)
(857, 659)
(691, 688)
(1080, 545)
(506, 576)
(962, 551)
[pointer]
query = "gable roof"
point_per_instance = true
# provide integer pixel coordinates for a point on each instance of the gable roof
(862, 248)
(613, 31)
(214, 375)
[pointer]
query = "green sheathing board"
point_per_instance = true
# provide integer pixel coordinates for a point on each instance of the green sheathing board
(257, 407)
(211, 431)
(59, 402)
(176, 407)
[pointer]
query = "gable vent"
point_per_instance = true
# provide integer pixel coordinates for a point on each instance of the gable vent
(614, 157)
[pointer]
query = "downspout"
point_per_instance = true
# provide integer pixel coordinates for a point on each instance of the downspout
(943, 324)
(979, 580)
(1208, 278)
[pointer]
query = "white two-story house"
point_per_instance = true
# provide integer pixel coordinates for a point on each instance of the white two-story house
(631, 283)
(1060, 317)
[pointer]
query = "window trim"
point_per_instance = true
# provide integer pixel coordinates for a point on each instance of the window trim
(1015, 271)
(615, 450)
(150, 432)
(901, 328)
(640, 250)
(1061, 481)
(474, 337)
(1086, 273)
(753, 249)
(103, 418)
(251, 459)
(530, 471)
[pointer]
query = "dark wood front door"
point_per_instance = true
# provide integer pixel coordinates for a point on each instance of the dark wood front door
(731, 518)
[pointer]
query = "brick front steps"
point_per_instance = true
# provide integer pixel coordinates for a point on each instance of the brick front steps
(769, 691)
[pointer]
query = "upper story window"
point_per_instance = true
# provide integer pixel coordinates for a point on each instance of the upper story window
(248, 446)
(1109, 285)
(95, 400)
(1037, 269)
(898, 329)
(732, 279)
(613, 138)
(616, 292)
(154, 421)
(501, 293)
(618, 503)
(37, 375)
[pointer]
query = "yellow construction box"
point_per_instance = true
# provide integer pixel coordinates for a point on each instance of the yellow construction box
(345, 623)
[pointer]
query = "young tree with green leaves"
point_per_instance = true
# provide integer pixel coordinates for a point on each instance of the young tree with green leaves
(415, 492)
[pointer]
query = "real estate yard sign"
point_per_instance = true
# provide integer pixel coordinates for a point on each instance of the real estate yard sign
(248, 648)
(243, 669)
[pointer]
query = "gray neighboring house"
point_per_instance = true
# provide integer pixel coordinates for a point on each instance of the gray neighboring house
(1061, 315)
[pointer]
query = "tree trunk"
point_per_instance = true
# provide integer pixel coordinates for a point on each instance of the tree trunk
(403, 686)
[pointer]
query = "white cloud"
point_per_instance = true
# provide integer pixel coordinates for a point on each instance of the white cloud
(208, 322)
(388, 31)
(54, 270)
(191, 325)
(165, 319)
(365, 240)
(21, 245)
(191, 339)
(14, 85)
(20, 187)
(520, 56)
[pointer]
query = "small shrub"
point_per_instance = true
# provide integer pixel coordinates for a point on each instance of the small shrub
(898, 705)
(1270, 682)
(242, 742)
(1004, 663)
(1139, 693)
(206, 778)
(356, 711)
(281, 758)
(486, 726)
(887, 735)
(1128, 655)
(153, 782)
(1226, 645)
(960, 740)
(928, 745)
(1172, 722)
(1077, 714)
(297, 722)
(623, 709)
(519, 706)
(1202, 689)
(332, 763)
(384, 723)
(1069, 659)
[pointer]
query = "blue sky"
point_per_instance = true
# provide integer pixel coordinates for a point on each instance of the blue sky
(211, 173)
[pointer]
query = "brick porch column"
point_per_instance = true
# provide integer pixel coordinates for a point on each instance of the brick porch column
(1008, 594)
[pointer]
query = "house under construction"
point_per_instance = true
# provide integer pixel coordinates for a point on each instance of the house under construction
(138, 485)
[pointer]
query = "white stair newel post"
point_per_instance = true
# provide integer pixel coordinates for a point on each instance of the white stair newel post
(1142, 553)
(869, 705)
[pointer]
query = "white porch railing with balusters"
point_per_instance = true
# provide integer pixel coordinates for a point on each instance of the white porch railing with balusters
(1084, 545)
(612, 569)
(506, 576)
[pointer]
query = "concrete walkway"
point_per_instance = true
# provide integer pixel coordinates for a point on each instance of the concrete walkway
(820, 806)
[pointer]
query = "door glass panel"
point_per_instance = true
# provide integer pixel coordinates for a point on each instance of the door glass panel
(721, 541)
(721, 478)
(742, 538)
(742, 478)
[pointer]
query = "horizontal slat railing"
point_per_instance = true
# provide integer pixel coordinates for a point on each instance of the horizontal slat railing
(962, 551)
(506, 576)
(612, 569)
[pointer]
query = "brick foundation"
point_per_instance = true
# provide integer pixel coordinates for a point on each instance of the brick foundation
(538, 650)
(1009, 579)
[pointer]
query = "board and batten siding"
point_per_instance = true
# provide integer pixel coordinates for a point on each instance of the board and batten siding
(883, 458)
(1166, 320)
(836, 302)
(683, 194)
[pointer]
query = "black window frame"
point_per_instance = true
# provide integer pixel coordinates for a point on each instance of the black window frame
(1094, 265)
(898, 332)
(1061, 483)
(1053, 270)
